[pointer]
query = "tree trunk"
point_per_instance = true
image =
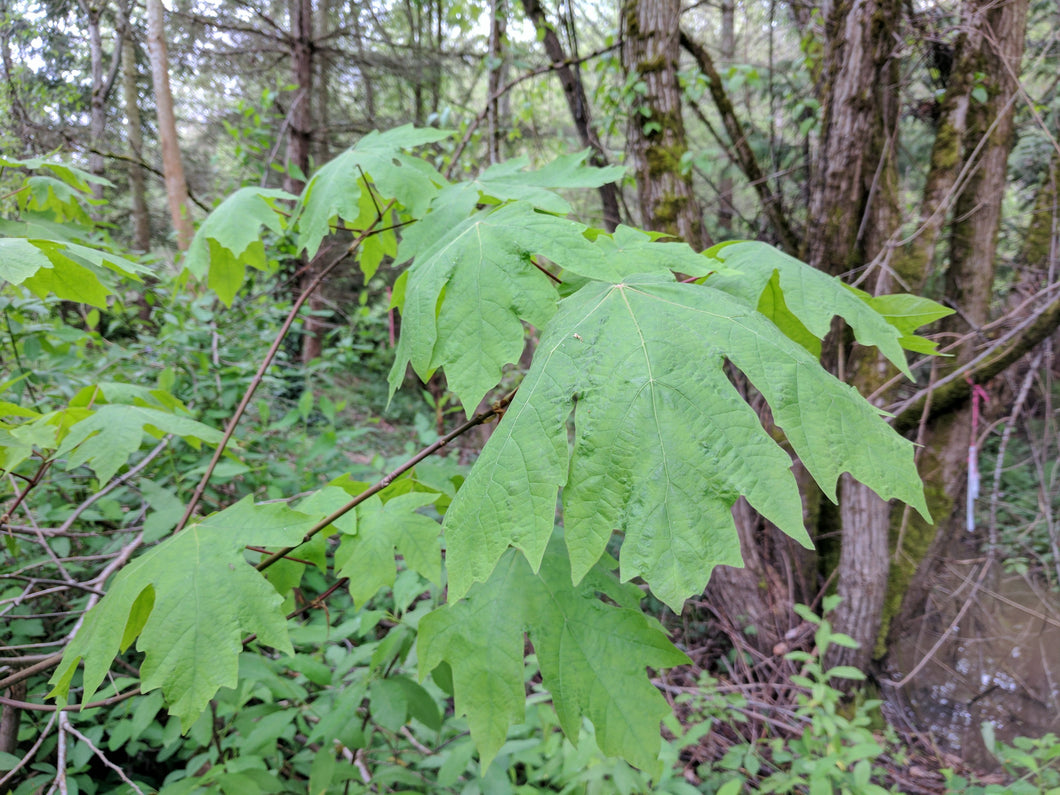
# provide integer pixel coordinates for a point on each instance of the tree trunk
(20, 118)
(172, 165)
(300, 114)
(100, 87)
(141, 222)
(578, 103)
(858, 104)
(97, 118)
(299, 140)
(322, 147)
(655, 139)
(914, 263)
(498, 25)
(728, 53)
(969, 280)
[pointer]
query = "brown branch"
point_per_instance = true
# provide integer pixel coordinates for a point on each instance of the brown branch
(741, 149)
(46, 664)
(106, 702)
(500, 92)
(136, 161)
(951, 392)
(267, 362)
(496, 410)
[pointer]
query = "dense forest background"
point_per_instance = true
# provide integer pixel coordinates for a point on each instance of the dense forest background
(903, 147)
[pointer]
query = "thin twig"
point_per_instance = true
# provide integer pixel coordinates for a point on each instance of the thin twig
(495, 410)
(267, 362)
(31, 752)
(500, 92)
(101, 755)
(103, 702)
(115, 483)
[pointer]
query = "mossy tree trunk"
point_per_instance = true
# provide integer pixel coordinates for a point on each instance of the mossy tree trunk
(853, 218)
(970, 277)
(655, 138)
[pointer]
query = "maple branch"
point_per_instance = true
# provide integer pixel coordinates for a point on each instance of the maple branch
(259, 376)
(44, 665)
(496, 410)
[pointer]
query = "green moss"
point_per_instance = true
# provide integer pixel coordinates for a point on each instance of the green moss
(1038, 242)
(915, 541)
(947, 148)
(667, 210)
(663, 160)
(656, 64)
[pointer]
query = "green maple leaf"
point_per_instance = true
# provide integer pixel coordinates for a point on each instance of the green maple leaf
(66, 270)
(190, 601)
(20, 259)
(71, 175)
(907, 313)
(791, 293)
(469, 291)
(230, 239)
(582, 644)
(367, 556)
(335, 190)
(663, 443)
(503, 182)
(632, 251)
(105, 439)
(511, 179)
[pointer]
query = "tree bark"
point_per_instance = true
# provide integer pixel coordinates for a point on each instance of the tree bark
(970, 277)
(172, 164)
(97, 119)
(858, 103)
(728, 53)
(655, 139)
(853, 215)
(141, 222)
(21, 118)
(498, 25)
(299, 141)
(101, 86)
(914, 263)
(323, 65)
(300, 114)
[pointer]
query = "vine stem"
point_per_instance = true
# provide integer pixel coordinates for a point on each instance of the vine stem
(496, 410)
(267, 361)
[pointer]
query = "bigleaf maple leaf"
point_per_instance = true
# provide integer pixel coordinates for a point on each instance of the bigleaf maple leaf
(663, 443)
(583, 646)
